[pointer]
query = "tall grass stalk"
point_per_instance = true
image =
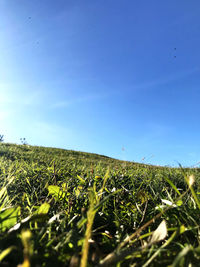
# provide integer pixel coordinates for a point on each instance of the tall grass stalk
(190, 181)
(90, 219)
(94, 200)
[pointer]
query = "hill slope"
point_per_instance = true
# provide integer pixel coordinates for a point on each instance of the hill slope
(58, 194)
(34, 153)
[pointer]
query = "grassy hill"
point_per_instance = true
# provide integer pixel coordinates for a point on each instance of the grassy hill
(67, 208)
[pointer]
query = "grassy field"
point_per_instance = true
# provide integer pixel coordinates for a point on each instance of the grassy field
(67, 208)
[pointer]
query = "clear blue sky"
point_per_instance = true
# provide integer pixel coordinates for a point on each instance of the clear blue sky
(102, 75)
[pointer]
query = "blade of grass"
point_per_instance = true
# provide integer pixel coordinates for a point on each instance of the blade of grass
(172, 185)
(190, 180)
(172, 237)
(5, 252)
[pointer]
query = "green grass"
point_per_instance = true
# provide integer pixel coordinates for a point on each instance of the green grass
(68, 208)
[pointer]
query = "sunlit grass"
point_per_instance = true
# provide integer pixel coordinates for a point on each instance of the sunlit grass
(80, 209)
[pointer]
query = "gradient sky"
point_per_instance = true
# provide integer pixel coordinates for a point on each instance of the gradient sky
(118, 78)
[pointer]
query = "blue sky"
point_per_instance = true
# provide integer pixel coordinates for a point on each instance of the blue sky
(119, 78)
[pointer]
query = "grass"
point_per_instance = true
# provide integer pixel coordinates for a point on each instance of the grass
(68, 208)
